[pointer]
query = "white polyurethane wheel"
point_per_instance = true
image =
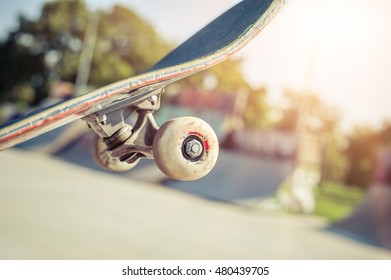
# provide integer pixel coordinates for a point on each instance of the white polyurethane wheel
(101, 156)
(185, 148)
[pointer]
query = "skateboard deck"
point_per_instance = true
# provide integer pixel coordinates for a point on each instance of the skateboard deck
(211, 45)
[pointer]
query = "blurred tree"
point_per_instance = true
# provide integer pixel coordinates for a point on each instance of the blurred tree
(307, 112)
(48, 49)
(256, 111)
(36, 53)
(364, 145)
(361, 150)
(227, 79)
(126, 45)
(385, 134)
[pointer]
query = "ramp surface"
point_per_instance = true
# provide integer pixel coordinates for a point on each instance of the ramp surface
(50, 209)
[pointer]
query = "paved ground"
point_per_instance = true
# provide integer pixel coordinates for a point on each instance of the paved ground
(50, 209)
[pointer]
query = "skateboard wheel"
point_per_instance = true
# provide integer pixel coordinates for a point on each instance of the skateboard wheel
(185, 148)
(103, 158)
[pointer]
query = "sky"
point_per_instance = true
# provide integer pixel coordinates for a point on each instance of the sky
(339, 49)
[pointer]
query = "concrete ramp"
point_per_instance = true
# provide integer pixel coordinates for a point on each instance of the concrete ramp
(50, 209)
(239, 178)
(371, 221)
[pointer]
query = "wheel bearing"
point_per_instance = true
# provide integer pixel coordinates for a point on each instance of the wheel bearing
(192, 148)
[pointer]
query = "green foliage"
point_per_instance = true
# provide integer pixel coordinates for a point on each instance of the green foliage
(229, 76)
(306, 112)
(364, 145)
(335, 201)
(48, 49)
(335, 162)
(288, 121)
(131, 39)
(255, 114)
(361, 153)
(225, 77)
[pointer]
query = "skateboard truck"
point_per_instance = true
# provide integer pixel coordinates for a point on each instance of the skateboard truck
(182, 147)
(121, 141)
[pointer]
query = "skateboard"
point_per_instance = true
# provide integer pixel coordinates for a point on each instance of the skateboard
(184, 148)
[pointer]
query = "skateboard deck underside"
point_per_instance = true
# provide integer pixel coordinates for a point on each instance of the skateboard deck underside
(210, 46)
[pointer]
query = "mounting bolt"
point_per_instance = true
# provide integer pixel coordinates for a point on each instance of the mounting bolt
(193, 149)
